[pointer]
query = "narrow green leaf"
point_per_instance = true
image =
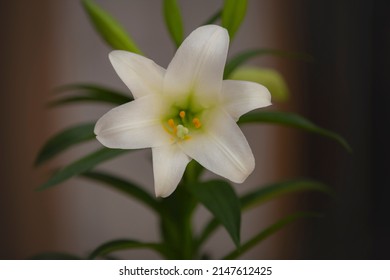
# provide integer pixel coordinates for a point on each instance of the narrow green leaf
(124, 186)
(125, 244)
(55, 256)
(214, 17)
(110, 30)
(221, 200)
(174, 21)
(244, 56)
(263, 194)
(88, 87)
(233, 13)
(64, 140)
(266, 193)
(82, 165)
(291, 120)
(268, 232)
(269, 78)
(91, 93)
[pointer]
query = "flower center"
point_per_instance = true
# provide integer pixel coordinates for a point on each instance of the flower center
(181, 125)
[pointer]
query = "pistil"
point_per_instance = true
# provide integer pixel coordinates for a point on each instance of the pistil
(182, 131)
(179, 127)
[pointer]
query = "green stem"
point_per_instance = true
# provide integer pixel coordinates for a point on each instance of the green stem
(193, 172)
(178, 208)
(186, 206)
(190, 175)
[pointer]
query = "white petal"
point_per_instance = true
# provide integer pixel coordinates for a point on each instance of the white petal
(240, 97)
(133, 125)
(198, 64)
(169, 163)
(222, 148)
(140, 74)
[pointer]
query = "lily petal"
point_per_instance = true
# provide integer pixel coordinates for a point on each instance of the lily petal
(140, 74)
(198, 64)
(169, 164)
(240, 97)
(133, 125)
(222, 148)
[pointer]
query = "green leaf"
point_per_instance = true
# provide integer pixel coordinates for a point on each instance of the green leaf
(110, 30)
(124, 186)
(291, 120)
(244, 56)
(82, 165)
(221, 200)
(268, 232)
(210, 227)
(125, 244)
(272, 191)
(214, 17)
(266, 193)
(54, 256)
(91, 93)
(64, 140)
(269, 78)
(174, 21)
(233, 13)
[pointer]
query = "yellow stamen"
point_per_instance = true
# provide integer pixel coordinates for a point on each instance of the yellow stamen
(182, 114)
(196, 122)
(171, 123)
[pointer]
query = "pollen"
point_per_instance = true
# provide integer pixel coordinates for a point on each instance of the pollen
(196, 123)
(171, 123)
(182, 114)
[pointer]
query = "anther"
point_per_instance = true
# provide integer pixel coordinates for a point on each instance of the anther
(196, 122)
(171, 123)
(182, 114)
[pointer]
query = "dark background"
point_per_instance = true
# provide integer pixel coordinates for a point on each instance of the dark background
(346, 90)
(349, 93)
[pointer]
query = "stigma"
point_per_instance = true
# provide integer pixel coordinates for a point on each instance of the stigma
(182, 132)
(182, 125)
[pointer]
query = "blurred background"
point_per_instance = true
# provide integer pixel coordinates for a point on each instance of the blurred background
(45, 44)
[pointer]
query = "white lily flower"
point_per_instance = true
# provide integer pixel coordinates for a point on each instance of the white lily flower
(184, 112)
